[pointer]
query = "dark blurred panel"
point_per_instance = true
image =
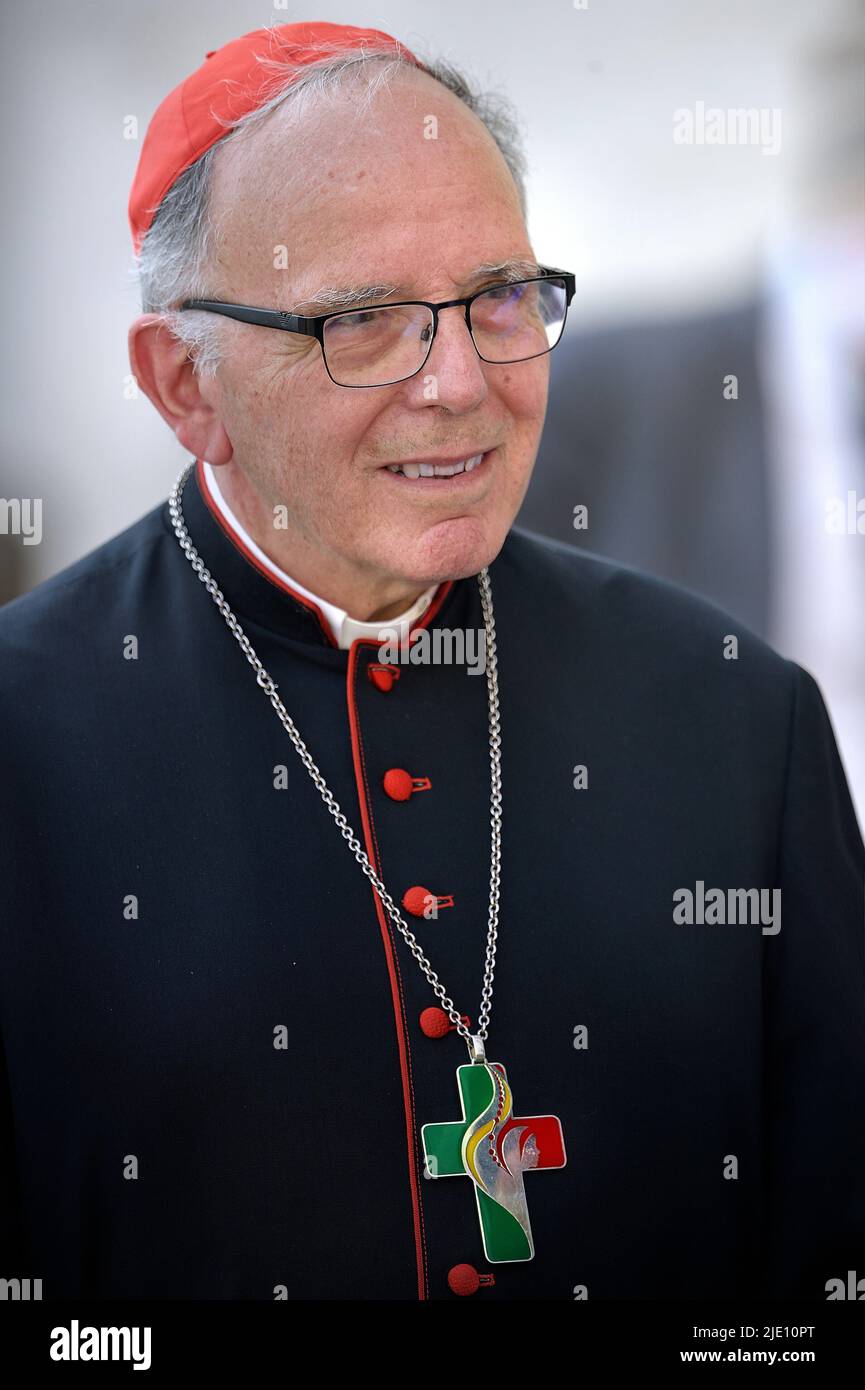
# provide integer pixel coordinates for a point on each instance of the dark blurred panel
(673, 475)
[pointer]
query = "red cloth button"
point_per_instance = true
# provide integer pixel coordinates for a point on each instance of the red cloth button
(400, 784)
(383, 677)
(464, 1280)
(397, 784)
(420, 901)
(435, 1023)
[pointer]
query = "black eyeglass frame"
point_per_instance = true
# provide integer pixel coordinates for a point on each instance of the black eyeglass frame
(313, 327)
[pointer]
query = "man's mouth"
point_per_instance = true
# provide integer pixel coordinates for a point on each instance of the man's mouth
(433, 469)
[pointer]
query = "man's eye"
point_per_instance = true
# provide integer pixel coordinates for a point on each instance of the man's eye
(361, 319)
(504, 291)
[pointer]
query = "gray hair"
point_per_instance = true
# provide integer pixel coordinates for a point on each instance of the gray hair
(175, 254)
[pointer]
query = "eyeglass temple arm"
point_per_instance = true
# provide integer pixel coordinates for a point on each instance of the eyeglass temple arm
(269, 318)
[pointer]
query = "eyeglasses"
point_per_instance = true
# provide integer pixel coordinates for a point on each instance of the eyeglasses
(387, 343)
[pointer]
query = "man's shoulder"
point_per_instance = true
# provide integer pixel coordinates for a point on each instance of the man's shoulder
(51, 616)
(640, 618)
(557, 574)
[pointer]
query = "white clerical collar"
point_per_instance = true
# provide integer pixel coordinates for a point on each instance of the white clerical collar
(345, 629)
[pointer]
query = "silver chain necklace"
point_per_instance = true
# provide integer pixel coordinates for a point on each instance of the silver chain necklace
(475, 1041)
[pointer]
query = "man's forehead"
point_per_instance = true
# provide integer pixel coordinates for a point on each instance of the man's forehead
(342, 293)
(327, 173)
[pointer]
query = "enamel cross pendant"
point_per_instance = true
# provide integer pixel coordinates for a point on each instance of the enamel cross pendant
(494, 1149)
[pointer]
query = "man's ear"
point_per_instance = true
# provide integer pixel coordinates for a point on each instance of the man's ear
(163, 369)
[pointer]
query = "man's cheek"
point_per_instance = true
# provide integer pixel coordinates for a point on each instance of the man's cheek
(525, 395)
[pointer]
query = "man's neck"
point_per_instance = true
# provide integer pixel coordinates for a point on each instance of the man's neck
(367, 598)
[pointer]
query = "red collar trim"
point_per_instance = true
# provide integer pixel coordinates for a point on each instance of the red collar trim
(274, 579)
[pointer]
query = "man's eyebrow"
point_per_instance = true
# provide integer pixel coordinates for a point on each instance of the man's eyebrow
(342, 297)
(517, 268)
(331, 297)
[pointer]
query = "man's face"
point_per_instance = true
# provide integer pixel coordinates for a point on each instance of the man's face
(369, 200)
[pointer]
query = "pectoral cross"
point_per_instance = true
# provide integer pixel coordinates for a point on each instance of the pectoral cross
(494, 1149)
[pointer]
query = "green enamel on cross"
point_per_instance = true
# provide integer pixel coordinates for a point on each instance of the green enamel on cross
(494, 1149)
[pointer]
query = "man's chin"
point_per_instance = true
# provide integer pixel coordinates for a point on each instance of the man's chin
(452, 549)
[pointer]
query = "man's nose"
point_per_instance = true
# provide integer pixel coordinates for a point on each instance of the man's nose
(453, 361)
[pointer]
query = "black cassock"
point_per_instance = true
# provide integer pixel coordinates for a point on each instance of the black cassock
(174, 907)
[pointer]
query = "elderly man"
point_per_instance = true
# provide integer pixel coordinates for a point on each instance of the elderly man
(331, 971)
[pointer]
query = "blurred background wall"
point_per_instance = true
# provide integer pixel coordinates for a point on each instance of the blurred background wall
(694, 260)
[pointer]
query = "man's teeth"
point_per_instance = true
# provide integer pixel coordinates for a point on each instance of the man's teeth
(434, 470)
